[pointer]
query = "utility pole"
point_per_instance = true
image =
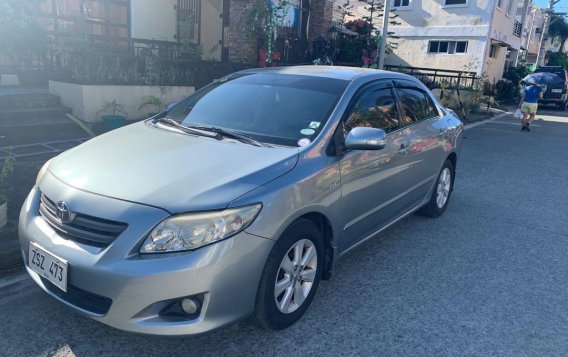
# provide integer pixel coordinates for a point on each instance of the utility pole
(384, 34)
(541, 49)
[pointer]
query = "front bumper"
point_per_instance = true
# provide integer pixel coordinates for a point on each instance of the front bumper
(136, 287)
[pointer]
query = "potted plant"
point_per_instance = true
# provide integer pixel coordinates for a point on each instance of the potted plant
(7, 169)
(116, 117)
(159, 103)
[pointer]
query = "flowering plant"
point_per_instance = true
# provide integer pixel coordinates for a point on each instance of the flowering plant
(360, 26)
(263, 58)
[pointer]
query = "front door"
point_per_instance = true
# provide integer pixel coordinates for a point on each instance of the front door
(372, 180)
(426, 139)
(211, 31)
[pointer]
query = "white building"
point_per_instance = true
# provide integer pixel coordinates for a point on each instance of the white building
(466, 35)
(533, 34)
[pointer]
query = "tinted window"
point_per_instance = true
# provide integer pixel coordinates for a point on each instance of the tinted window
(271, 107)
(416, 105)
(375, 109)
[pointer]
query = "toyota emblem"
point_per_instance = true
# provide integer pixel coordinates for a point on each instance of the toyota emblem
(63, 212)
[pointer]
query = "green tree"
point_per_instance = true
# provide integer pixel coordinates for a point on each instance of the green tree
(558, 31)
(23, 40)
(375, 11)
(557, 59)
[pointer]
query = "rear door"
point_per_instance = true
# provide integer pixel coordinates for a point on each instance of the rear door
(372, 180)
(426, 137)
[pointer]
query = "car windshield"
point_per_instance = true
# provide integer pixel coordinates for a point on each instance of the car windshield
(276, 108)
(557, 71)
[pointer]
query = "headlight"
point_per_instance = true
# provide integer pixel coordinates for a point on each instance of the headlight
(191, 231)
(42, 171)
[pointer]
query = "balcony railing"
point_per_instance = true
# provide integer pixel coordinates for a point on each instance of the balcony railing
(517, 28)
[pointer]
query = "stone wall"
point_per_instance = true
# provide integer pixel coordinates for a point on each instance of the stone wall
(242, 48)
(321, 15)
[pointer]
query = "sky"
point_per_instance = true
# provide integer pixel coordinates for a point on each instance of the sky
(561, 6)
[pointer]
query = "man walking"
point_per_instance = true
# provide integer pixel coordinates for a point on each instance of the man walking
(529, 103)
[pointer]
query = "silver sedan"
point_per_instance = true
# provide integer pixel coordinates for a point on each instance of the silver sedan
(237, 201)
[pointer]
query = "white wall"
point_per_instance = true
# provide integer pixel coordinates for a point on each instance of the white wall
(86, 101)
(413, 51)
(153, 19)
(503, 23)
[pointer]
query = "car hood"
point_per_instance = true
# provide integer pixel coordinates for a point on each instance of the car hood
(174, 171)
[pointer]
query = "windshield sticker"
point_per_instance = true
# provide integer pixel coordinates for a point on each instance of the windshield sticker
(314, 125)
(304, 142)
(307, 131)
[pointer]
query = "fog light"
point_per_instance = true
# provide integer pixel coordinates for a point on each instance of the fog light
(189, 306)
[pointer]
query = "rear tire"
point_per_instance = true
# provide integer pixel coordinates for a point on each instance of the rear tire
(299, 281)
(441, 194)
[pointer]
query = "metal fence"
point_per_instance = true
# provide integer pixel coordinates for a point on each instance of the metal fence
(138, 62)
(436, 78)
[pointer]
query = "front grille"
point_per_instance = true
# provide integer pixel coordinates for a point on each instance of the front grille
(85, 300)
(82, 228)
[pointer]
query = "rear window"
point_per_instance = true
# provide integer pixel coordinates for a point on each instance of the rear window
(558, 71)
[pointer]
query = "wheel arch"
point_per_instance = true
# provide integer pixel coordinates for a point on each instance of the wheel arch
(453, 157)
(324, 225)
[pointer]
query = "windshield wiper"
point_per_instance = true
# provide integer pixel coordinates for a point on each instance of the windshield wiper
(229, 134)
(188, 130)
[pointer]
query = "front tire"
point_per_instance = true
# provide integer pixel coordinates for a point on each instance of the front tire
(441, 193)
(291, 276)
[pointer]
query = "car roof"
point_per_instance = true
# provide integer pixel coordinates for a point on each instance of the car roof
(334, 72)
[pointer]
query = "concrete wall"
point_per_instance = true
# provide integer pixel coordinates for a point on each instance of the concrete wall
(494, 67)
(503, 23)
(86, 101)
(153, 19)
(413, 51)
(427, 20)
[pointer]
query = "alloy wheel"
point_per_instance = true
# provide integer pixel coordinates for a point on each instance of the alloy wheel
(295, 276)
(443, 189)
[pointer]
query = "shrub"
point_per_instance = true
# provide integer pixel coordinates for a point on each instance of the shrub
(505, 90)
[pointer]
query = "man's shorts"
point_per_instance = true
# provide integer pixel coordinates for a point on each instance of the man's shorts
(529, 108)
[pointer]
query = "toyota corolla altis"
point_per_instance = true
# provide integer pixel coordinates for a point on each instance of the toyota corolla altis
(237, 201)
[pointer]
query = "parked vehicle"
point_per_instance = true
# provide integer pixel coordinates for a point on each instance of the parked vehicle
(554, 80)
(238, 200)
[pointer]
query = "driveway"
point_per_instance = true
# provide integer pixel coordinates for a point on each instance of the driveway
(490, 277)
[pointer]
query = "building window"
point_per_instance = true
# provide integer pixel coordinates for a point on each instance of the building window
(494, 51)
(456, 2)
(108, 18)
(510, 7)
(401, 3)
(449, 47)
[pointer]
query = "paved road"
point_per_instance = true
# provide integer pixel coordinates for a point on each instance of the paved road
(488, 278)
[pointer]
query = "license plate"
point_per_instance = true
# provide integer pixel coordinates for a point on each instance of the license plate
(48, 266)
(556, 91)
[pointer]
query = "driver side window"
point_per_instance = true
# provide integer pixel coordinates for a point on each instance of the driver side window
(375, 109)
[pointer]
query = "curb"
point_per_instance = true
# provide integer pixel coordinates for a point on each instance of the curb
(478, 123)
(10, 256)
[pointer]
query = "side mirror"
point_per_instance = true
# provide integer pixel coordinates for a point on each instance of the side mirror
(362, 138)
